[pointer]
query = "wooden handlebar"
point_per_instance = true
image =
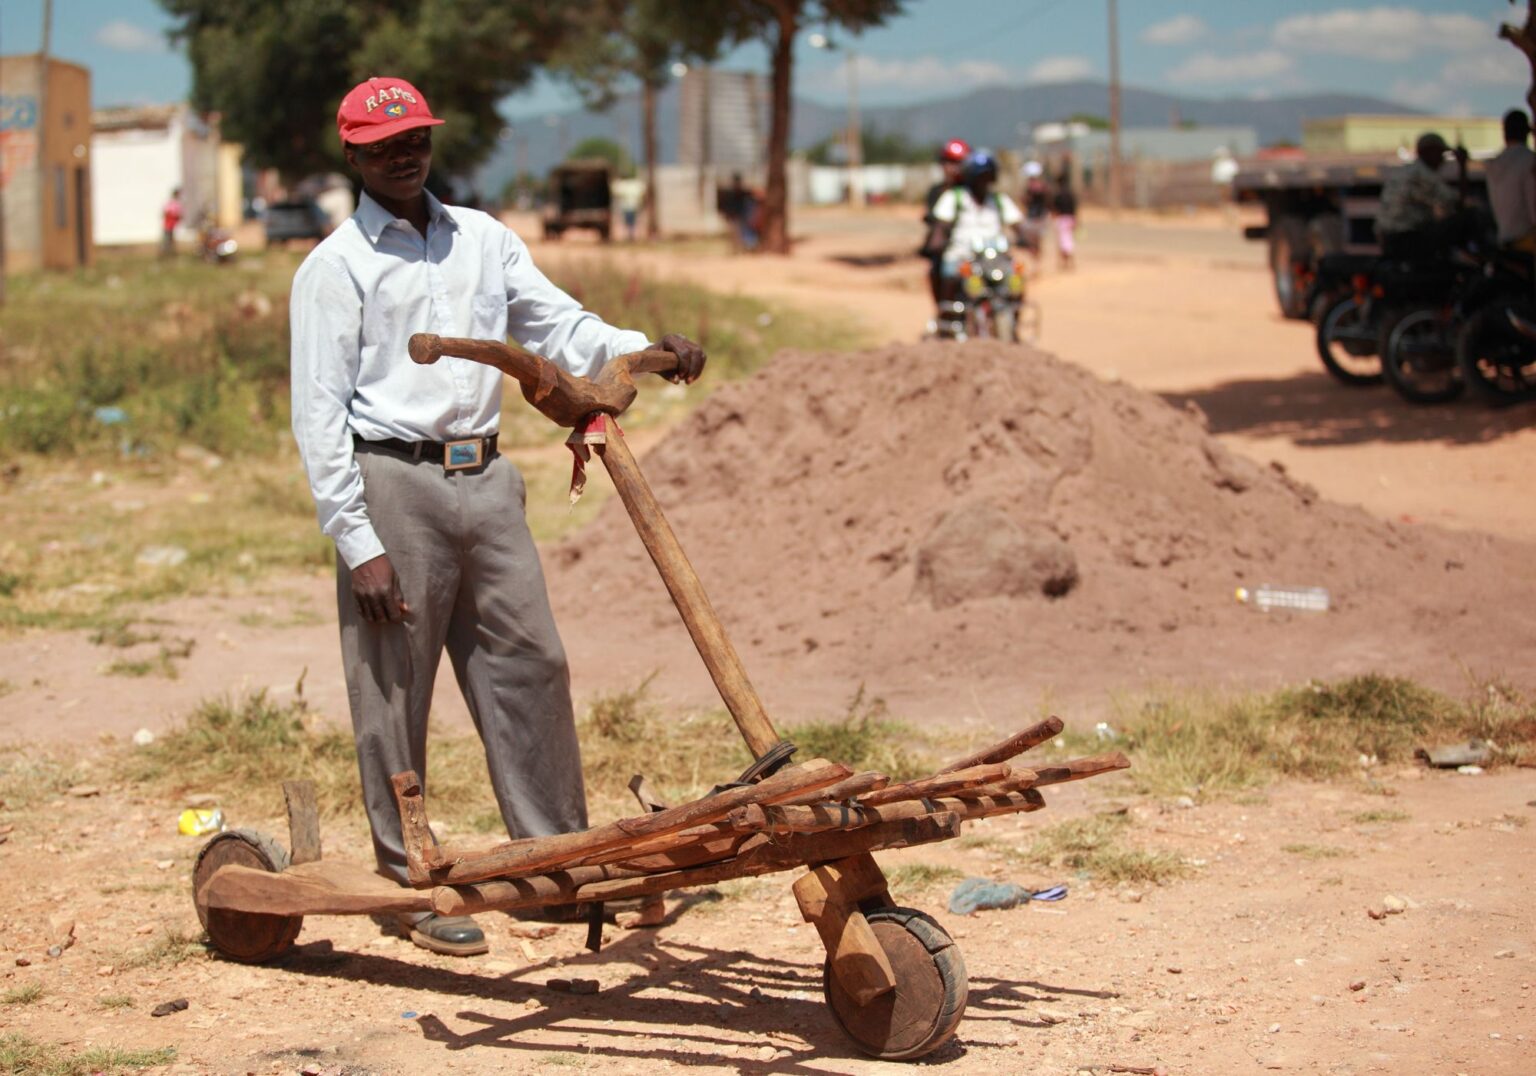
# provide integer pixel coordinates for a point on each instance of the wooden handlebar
(563, 399)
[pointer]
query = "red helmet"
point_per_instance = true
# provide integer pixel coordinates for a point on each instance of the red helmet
(955, 150)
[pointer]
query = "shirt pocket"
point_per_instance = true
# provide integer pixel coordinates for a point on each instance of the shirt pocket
(488, 317)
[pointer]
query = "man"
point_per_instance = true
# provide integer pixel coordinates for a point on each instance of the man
(952, 155)
(170, 219)
(970, 213)
(1512, 184)
(432, 545)
(1418, 216)
(629, 196)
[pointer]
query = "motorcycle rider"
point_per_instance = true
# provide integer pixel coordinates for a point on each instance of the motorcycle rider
(969, 213)
(1419, 215)
(952, 155)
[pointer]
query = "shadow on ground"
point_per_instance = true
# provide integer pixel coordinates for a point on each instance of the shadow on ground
(763, 1000)
(1312, 409)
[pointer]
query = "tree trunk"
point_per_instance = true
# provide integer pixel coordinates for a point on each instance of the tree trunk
(648, 137)
(775, 237)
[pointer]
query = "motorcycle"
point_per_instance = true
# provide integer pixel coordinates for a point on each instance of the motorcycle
(216, 244)
(1496, 347)
(1419, 339)
(992, 303)
(1350, 337)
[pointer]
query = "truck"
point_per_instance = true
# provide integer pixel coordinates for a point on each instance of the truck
(580, 196)
(1317, 206)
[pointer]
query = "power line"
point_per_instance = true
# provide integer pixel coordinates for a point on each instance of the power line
(991, 33)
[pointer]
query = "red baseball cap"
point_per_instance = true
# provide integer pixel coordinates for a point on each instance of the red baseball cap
(956, 149)
(381, 108)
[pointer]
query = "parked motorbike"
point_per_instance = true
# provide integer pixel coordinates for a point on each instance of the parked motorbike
(1352, 318)
(216, 244)
(992, 303)
(1418, 338)
(1496, 347)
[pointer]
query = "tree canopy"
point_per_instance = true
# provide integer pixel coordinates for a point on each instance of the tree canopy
(275, 70)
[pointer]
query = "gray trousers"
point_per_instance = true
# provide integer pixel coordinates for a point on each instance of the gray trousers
(468, 569)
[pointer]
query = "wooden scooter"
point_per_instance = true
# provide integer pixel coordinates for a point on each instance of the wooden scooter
(894, 981)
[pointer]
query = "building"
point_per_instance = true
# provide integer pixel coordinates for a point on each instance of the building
(1359, 134)
(142, 155)
(45, 163)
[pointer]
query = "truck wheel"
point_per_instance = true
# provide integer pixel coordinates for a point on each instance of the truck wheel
(1290, 262)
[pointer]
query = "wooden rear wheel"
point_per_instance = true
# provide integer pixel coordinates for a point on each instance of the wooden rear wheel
(248, 937)
(921, 1014)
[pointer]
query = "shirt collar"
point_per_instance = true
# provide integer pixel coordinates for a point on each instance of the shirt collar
(374, 218)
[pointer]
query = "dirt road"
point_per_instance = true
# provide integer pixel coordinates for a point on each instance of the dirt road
(1267, 959)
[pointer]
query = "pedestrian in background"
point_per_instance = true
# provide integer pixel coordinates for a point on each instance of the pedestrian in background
(170, 218)
(1064, 210)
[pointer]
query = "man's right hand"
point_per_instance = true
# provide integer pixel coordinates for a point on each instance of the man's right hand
(376, 589)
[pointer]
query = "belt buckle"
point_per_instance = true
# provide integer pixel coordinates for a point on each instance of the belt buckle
(463, 455)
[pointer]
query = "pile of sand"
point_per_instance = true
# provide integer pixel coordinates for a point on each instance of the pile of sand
(965, 527)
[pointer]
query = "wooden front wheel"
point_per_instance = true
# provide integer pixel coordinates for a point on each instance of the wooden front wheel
(248, 937)
(921, 1014)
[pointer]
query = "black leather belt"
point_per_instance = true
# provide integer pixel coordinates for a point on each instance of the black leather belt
(460, 455)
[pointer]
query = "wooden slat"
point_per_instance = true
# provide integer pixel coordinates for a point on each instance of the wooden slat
(759, 855)
(1078, 768)
(1014, 745)
(303, 822)
(940, 784)
(540, 854)
(856, 785)
(325, 887)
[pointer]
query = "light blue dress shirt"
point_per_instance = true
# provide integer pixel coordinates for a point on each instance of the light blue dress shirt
(356, 301)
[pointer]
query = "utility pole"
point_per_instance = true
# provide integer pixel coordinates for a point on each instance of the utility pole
(1115, 178)
(42, 134)
(855, 136)
(2, 207)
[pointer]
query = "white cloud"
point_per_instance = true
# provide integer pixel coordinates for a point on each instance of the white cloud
(1179, 30)
(1506, 66)
(1061, 69)
(876, 72)
(1382, 33)
(121, 35)
(1233, 67)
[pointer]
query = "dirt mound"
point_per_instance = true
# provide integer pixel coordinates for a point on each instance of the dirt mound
(964, 527)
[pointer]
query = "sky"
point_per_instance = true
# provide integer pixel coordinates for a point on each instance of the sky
(1435, 55)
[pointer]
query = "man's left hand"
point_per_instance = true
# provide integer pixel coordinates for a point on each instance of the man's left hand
(690, 357)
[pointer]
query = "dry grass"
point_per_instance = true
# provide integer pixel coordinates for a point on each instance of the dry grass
(1205, 744)
(24, 994)
(1095, 846)
(25, 1056)
(1316, 851)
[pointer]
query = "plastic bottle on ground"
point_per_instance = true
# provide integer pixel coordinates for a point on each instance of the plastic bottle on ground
(1266, 597)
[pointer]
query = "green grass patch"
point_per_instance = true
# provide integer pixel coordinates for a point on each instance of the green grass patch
(115, 1002)
(145, 403)
(866, 737)
(25, 994)
(919, 878)
(160, 665)
(167, 951)
(24, 1056)
(121, 635)
(1315, 851)
(1366, 818)
(31, 774)
(1205, 744)
(1096, 846)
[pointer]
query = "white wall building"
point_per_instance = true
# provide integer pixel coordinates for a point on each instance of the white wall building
(140, 155)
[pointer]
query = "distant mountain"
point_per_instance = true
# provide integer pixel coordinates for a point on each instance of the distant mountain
(997, 116)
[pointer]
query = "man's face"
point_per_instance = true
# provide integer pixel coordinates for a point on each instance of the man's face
(952, 171)
(395, 167)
